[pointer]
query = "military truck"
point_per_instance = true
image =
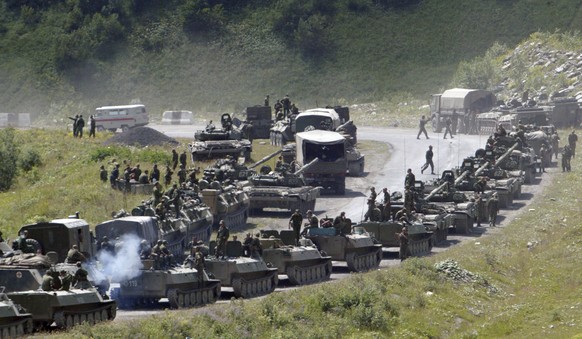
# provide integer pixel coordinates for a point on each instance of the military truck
(261, 119)
(565, 112)
(420, 239)
(460, 102)
(303, 264)
(248, 277)
(330, 170)
(14, 320)
(65, 308)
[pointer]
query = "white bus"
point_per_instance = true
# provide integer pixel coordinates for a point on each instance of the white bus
(123, 117)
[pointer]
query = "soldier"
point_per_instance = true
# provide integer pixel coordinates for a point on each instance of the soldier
(210, 127)
(312, 221)
(203, 248)
(92, 126)
(199, 264)
(409, 179)
(183, 158)
(256, 248)
(155, 174)
(66, 280)
(106, 245)
(80, 126)
(157, 254)
(182, 174)
(247, 245)
(566, 158)
(448, 128)
(342, 224)
(387, 207)
(175, 157)
(145, 250)
(422, 127)
(167, 257)
(555, 144)
(47, 282)
(370, 213)
(74, 255)
(168, 176)
(409, 199)
(103, 173)
(373, 193)
(428, 156)
(402, 216)
(267, 100)
(455, 122)
(480, 210)
(75, 119)
(144, 178)
(543, 152)
(480, 185)
(279, 164)
(295, 222)
(286, 102)
(114, 176)
(294, 109)
(572, 139)
(403, 240)
(278, 107)
(80, 279)
(493, 209)
(221, 239)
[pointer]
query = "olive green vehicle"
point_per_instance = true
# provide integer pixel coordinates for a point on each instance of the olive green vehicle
(303, 264)
(248, 277)
(359, 251)
(420, 239)
(181, 285)
(65, 308)
(14, 321)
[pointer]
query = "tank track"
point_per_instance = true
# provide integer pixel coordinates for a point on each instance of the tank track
(236, 220)
(193, 298)
(420, 246)
(441, 235)
(252, 288)
(16, 329)
(364, 262)
(309, 274)
(67, 319)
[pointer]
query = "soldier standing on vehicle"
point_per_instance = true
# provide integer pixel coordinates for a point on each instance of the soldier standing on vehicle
(267, 100)
(295, 221)
(92, 126)
(493, 209)
(221, 239)
(428, 156)
(278, 107)
(80, 279)
(448, 128)
(422, 127)
(480, 185)
(373, 194)
(66, 280)
(403, 241)
(286, 102)
(312, 221)
(410, 179)
(387, 207)
(80, 126)
(199, 263)
(409, 199)
(572, 139)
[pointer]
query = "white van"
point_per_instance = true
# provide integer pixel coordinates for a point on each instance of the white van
(123, 117)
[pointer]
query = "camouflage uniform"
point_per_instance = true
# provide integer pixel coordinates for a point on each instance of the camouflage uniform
(295, 222)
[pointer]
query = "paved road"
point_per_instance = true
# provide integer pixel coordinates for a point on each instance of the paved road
(388, 171)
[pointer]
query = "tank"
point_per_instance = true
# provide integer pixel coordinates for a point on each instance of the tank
(202, 150)
(522, 158)
(420, 239)
(359, 251)
(227, 132)
(248, 277)
(303, 264)
(282, 189)
(14, 321)
(180, 285)
(65, 308)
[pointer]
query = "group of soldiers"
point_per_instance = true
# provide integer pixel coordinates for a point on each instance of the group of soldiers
(283, 107)
(63, 280)
(79, 125)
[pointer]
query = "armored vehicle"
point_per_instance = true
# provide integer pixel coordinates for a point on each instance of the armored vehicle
(213, 143)
(261, 119)
(229, 203)
(522, 158)
(420, 239)
(487, 122)
(283, 130)
(359, 251)
(330, 170)
(14, 321)
(282, 189)
(248, 277)
(177, 118)
(302, 264)
(565, 112)
(182, 286)
(65, 308)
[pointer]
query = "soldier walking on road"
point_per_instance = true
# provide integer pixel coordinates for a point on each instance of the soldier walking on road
(428, 156)
(448, 128)
(403, 240)
(572, 139)
(295, 221)
(422, 127)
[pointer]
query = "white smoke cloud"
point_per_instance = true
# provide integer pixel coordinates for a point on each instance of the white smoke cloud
(125, 264)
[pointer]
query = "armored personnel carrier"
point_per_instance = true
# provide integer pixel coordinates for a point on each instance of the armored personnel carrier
(182, 286)
(248, 277)
(14, 321)
(212, 143)
(230, 203)
(65, 308)
(420, 239)
(303, 264)
(359, 251)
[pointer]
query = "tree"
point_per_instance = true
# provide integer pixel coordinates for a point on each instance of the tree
(9, 154)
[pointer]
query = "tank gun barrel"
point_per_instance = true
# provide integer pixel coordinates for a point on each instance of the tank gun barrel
(481, 168)
(345, 124)
(506, 154)
(304, 168)
(436, 191)
(265, 159)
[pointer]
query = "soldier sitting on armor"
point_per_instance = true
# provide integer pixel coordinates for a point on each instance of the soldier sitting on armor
(145, 250)
(74, 255)
(342, 224)
(80, 279)
(256, 247)
(247, 245)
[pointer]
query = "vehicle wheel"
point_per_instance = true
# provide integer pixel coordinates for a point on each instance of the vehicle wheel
(124, 128)
(100, 129)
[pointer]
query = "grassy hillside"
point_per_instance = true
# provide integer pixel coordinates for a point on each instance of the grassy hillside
(319, 52)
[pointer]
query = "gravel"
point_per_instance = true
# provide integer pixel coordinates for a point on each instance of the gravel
(141, 136)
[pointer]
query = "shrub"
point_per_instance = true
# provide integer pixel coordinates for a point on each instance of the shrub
(29, 159)
(9, 152)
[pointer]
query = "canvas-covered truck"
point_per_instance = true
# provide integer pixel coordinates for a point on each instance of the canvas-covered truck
(463, 104)
(330, 170)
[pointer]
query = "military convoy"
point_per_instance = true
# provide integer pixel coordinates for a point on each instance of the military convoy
(217, 143)
(420, 239)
